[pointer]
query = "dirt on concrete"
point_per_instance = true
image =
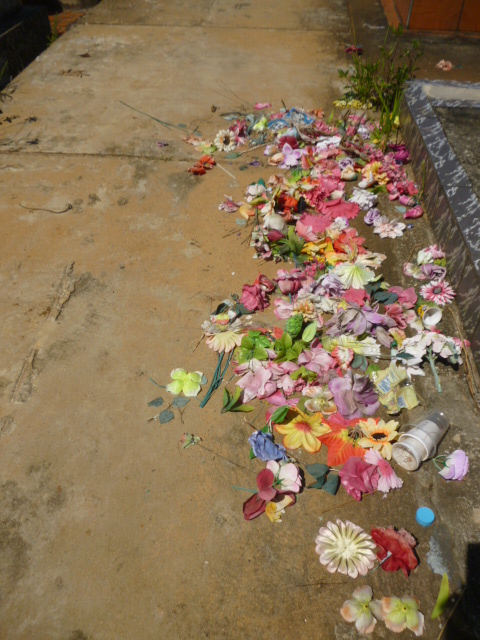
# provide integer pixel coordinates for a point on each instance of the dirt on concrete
(112, 255)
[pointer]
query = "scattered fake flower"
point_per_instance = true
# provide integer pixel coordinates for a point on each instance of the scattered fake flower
(358, 610)
(399, 614)
(455, 466)
(378, 435)
(354, 395)
(275, 509)
(438, 291)
(388, 478)
(188, 383)
(265, 448)
(345, 547)
(358, 477)
(287, 476)
(386, 228)
(396, 549)
(224, 140)
(303, 431)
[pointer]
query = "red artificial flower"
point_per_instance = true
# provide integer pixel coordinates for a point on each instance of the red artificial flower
(399, 544)
(340, 441)
(254, 507)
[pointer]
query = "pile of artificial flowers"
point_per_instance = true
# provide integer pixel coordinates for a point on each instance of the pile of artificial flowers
(319, 372)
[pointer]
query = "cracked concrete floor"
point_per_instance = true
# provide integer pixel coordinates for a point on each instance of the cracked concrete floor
(112, 255)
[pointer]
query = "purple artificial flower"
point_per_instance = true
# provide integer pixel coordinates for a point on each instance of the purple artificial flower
(359, 477)
(265, 448)
(433, 271)
(357, 320)
(456, 466)
(354, 395)
(371, 216)
(330, 286)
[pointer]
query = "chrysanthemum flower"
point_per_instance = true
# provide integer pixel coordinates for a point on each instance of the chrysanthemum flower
(378, 435)
(358, 610)
(224, 341)
(438, 291)
(345, 547)
(303, 431)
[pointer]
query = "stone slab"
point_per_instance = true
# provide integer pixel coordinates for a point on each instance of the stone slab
(450, 198)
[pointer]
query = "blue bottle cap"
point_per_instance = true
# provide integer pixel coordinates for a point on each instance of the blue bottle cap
(425, 516)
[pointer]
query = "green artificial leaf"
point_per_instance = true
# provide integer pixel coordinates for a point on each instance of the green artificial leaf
(260, 353)
(309, 332)
(404, 356)
(359, 362)
(317, 470)
(232, 155)
(156, 403)
(243, 408)
(280, 414)
(318, 484)
(331, 484)
(247, 342)
(241, 222)
(180, 402)
(263, 341)
(442, 599)
(372, 370)
(165, 416)
(251, 455)
(385, 297)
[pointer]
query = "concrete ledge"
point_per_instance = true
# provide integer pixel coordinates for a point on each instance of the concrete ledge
(450, 200)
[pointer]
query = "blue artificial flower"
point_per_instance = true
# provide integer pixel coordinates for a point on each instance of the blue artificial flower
(265, 448)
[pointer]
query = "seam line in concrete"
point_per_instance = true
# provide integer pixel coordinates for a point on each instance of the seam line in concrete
(203, 26)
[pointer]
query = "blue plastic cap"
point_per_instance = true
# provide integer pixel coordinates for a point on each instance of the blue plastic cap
(425, 516)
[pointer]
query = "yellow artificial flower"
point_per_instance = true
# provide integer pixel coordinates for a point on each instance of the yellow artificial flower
(303, 431)
(378, 435)
(274, 510)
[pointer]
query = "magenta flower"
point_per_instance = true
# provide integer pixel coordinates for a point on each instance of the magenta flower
(438, 291)
(388, 478)
(354, 395)
(406, 297)
(359, 477)
(254, 298)
(290, 281)
(455, 465)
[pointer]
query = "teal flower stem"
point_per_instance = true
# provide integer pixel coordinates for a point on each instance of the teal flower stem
(243, 489)
(218, 376)
(441, 464)
(431, 360)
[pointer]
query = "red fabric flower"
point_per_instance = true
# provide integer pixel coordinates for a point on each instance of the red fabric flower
(400, 545)
(254, 507)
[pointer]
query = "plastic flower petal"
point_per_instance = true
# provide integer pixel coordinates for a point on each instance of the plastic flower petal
(264, 448)
(188, 383)
(400, 614)
(345, 547)
(276, 508)
(303, 431)
(398, 546)
(388, 478)
(456, 466)
(358, 610)
(358, 477)
(353, 276)
(378, 435)
(224, 341)
(287, 476)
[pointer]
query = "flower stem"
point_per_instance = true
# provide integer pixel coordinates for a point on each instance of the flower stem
(431, 361)
(243, 489)
(389, 554)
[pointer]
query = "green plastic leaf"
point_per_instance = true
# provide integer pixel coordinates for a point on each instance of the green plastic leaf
(156, 403)
(260, 353)
(280, 414)
(309, 331)
(319, 484)
(317, 470)
(251, 455)
(241, 222)
(442, 599)
(165, 416)
(231, 156)
(332, 483)
(243, 408)
(180, 402)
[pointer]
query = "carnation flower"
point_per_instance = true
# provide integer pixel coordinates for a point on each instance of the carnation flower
(438, 291)
(345, 547)
(396, 549)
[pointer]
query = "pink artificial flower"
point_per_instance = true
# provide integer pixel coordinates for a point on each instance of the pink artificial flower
(305, 232)
(259, 106)
(402, 317)
(289, 281)
(317, 360)
(291, 157)
(254, 297)
(438, 291)
(388, 478)
(257, 382)
(406, 297)
(357, 296)
(413, 213)
(359, 477)
(287, 476)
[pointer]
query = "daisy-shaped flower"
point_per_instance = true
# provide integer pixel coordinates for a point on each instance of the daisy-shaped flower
(303, 431)
(225, 140)
(388, 228)
(345, 547)
(358, 610)
(399, 614)
(438, 291)
(378, 435)
(188, 383)
(224, 341)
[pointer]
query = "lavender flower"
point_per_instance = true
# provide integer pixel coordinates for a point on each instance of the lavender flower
(265, 448)
(456, 465)
(354, 395)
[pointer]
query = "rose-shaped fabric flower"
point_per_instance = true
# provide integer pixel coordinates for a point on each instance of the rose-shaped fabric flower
(359, 477)
(455, 465)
